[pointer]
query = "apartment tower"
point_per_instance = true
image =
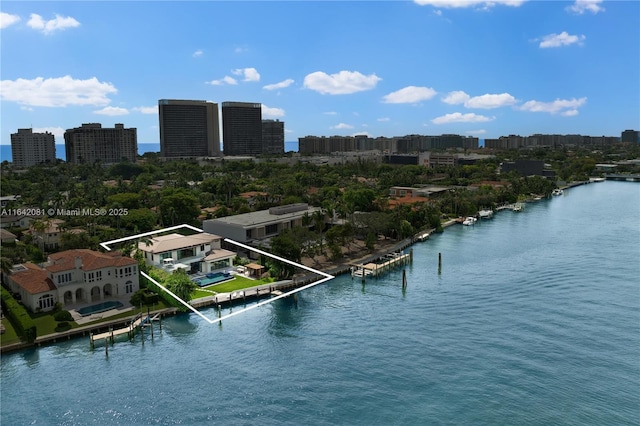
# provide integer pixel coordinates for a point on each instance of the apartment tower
(242, 128)
(92, 143)
(188, 128)
(28, 148)
(272, 137)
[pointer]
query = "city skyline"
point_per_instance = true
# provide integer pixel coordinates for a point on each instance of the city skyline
(474, 68)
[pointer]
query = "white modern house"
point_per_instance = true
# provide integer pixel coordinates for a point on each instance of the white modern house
(197, 253)
(74, 277)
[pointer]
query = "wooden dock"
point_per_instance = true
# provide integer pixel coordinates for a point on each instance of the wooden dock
(375, 269)
(137, 323)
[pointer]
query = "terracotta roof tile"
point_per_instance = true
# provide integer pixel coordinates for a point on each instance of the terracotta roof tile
(33, 279)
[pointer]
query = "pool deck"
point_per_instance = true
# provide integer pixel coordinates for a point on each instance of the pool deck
(81, 320)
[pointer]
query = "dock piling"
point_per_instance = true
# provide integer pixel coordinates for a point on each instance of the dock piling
(439, 263)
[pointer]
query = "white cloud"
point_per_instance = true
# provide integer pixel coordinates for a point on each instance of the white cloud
(58, 132)
(112, 111)
(342, 83)
(272, 112)
(197, 53)
(456, 97)
(559, 40)
(281, 85)
(476, 132)
(409, 95)
(288, 131)
(490, 101)
(457, 117)
(147, 110)
(224, 80)
(383, 119)
(56, 92)
(58, 23)
(239, 50)
(485, 4)
(342, 126)
(567, 107)
(7, 19)
(582, 6)
(486, 101)
(330, 113)
(26, 108)
(249, 74)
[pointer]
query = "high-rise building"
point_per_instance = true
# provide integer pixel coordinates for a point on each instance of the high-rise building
(630, 136)
(242, 128)
(91, 143)
(188, 128)
(28, 148)
(272, 137)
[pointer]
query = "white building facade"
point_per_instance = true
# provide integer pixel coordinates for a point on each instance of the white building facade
(198, 253)
(74, 277)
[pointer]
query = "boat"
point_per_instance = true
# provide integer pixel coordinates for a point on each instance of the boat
(423, 237)
(557, 191)
(518, 207)
(469, 221)
(485, 214)
(360, 272)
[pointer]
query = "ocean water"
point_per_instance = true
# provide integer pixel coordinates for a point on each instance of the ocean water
(534, 319)
(5, 150)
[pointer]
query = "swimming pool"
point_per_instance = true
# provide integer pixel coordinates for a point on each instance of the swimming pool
(213, 278)
(100, 307)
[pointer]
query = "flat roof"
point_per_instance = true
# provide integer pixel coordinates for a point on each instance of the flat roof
(262, 217)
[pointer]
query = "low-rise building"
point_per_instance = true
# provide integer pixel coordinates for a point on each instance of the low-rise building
(46, 234)
(198, 253)
(261, 225)
(74, 277)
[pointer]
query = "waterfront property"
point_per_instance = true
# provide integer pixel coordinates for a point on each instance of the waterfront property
(73, 277)
(194, 253)
(259, 226)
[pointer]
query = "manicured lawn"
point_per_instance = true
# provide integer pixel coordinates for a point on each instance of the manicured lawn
(238, 283)
(9, 336)
(45, 324)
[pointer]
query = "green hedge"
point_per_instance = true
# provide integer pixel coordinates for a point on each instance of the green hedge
(63, 316)
(166, 297)
(19, 317)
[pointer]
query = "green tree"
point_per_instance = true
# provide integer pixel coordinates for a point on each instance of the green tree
(178, 206)
(181, 285)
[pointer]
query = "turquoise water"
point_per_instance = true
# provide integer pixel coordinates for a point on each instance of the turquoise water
(535, 319)
(100, 307)
(213, 278)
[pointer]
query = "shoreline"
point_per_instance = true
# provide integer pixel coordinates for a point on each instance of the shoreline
(330, 267)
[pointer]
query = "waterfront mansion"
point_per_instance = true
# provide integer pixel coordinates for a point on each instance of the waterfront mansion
(74, 277)
(197, 253)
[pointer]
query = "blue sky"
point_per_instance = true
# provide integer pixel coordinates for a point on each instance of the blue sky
(382, 68)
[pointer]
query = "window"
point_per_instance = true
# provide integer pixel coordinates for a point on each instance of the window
(271, 229)
(45, 302)
(99, 275)
(128, 287)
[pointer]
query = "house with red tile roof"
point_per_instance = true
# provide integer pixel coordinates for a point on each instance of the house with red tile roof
(74, 277)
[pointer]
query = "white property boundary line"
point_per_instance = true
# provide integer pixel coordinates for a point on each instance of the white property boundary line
(326, 276)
